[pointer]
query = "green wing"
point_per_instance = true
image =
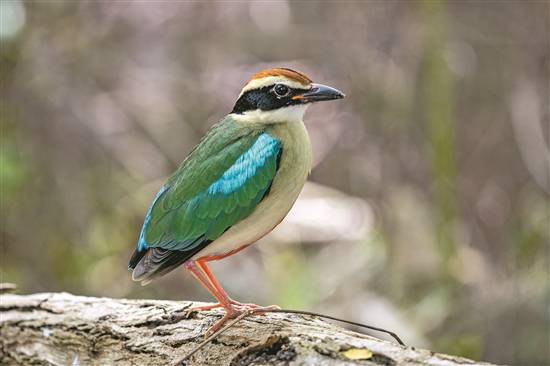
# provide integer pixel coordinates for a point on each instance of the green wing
(219, 184)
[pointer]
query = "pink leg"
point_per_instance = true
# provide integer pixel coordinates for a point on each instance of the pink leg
(212, 279)
(192, 267)
(202, 273)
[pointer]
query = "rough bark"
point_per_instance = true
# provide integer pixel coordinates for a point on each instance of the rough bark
(62, 329)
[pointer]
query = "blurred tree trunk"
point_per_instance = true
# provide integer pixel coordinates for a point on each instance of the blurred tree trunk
(437, 113)
(62, 329)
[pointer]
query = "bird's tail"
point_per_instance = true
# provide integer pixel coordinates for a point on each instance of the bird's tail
(155, 262)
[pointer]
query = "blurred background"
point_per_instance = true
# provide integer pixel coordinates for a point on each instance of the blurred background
(428, 209)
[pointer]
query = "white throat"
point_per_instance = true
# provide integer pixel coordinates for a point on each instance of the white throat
(293, 113)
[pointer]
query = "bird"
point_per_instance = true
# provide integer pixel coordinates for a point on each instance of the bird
(234, 187)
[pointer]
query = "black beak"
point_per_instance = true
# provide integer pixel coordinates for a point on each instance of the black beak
(318, 93)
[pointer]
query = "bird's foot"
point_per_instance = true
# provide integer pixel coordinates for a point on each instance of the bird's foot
(234, 310)
(237, 310)
(236, 305)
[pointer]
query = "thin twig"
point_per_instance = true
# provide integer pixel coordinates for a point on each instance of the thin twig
(212, 337)
(392, 334)
(263, 311)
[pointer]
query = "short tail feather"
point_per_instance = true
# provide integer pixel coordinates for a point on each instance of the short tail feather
(154, 262)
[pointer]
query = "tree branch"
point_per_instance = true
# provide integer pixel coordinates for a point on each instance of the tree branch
(63, 329)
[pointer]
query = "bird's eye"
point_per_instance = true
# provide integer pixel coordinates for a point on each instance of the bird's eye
(281, 90)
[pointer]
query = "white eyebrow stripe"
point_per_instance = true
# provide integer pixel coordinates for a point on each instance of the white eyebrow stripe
(271, 80)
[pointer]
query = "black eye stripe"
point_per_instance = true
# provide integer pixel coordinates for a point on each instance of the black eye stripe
(266, 99)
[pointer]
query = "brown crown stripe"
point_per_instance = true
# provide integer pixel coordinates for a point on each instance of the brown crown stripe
(288, 73)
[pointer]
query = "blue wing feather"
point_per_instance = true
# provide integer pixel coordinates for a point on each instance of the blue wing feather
(207, 215)
(142, 244)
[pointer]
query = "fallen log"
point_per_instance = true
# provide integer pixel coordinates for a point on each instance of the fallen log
(63, 329)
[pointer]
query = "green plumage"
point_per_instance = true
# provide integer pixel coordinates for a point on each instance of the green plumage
(199, 202)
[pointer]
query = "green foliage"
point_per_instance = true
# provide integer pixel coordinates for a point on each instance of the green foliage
(291, 279)
(12, 165)
(437, 112)
(465, 345)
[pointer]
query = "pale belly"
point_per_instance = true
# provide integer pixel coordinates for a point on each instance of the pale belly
(293, 170)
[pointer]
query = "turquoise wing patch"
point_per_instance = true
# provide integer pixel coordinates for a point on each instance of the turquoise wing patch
(228, 195)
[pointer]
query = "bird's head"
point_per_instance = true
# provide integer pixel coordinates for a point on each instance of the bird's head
(280, 95)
